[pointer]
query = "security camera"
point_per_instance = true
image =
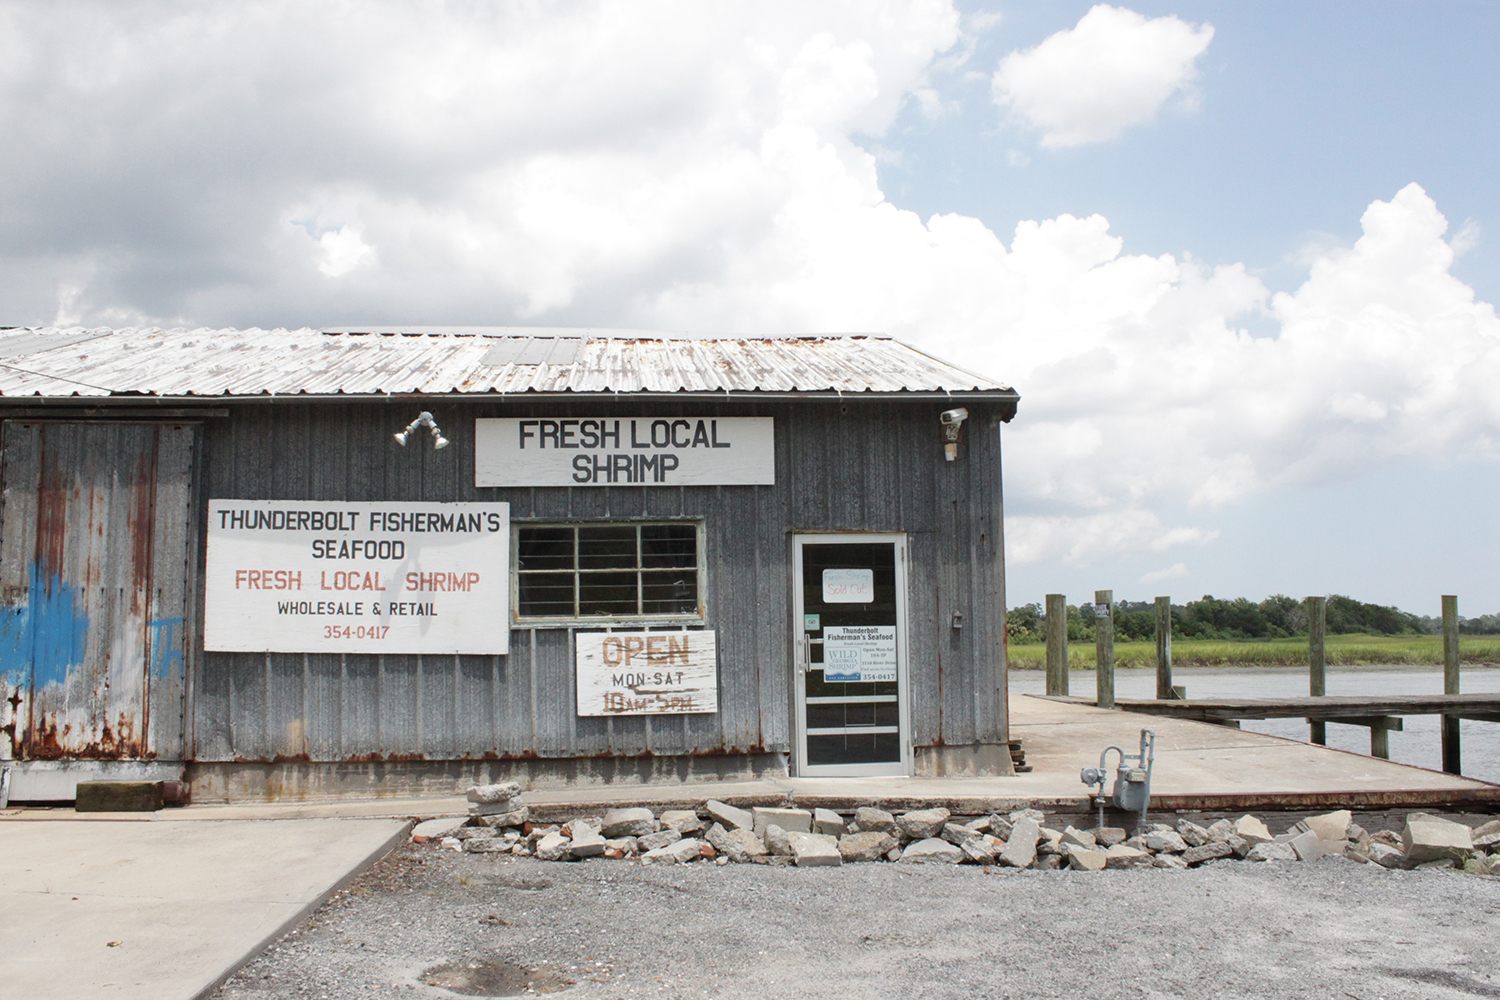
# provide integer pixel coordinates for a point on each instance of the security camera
(953, 422)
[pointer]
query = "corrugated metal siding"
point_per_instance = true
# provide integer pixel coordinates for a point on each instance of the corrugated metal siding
(859, 466)
(217, 363)
(94, 576)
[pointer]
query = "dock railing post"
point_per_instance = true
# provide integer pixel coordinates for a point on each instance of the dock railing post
(1317, 661)
(1057, 644)
(1104, 648)
(1452, 757)
(1163, 648)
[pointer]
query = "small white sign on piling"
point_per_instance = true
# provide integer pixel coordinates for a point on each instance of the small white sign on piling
(647, 673)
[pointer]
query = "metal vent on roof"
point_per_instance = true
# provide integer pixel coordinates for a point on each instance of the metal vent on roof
(533, 351)
(22, 344)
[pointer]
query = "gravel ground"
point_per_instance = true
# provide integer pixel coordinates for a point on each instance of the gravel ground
(489, 925)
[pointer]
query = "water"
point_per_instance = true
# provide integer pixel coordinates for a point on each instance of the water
(1417, 744)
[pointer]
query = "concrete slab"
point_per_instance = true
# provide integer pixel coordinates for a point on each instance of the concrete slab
(1199, 767)
(163, 909)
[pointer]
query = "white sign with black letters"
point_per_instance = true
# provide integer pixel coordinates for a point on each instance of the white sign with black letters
(316, 576)
(647, 673)
(624, 451)
(859, 653)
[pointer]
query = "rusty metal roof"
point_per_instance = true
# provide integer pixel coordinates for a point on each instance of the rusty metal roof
(231, 363)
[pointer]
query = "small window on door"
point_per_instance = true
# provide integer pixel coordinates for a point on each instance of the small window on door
(609, 571)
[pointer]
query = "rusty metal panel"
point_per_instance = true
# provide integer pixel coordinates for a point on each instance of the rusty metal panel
(89, 622)
(245, 363)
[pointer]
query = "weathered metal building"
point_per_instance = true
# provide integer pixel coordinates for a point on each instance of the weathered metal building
(640, 557)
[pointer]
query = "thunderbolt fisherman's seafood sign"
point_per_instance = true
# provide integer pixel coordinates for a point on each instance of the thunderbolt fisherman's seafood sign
(325, 576)
(625, 451)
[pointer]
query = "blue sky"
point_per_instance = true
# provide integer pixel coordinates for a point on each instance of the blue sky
(1239, 259)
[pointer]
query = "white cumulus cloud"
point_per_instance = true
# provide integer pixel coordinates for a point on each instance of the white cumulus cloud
(1112, 70)
(688, 167)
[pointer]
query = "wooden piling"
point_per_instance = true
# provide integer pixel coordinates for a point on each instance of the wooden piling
(1057, 644)
(1452, 755)
(1164, 648)
(1104, 648)
(1317, 661)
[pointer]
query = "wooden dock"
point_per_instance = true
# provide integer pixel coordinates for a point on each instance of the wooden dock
(1382, 713)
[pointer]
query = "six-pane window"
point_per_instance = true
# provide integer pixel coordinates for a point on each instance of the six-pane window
(615, 569)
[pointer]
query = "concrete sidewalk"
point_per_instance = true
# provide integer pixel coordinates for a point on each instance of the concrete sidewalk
(1198, 767)
(164, 909)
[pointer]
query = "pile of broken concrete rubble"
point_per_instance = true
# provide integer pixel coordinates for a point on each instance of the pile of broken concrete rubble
(499, 822)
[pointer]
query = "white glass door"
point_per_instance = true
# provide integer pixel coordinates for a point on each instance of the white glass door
(849, 634)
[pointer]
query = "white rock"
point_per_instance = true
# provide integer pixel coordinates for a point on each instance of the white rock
(932, 850)
(1211, 851)
(679, 852)
(661, 838)
(1020, 849)
(498, 821)
(1308, 846)
(1487, 835)
(776, 842)
(587, 843)
(497, 808)
(684, 821)
(1191, 833)
(788, 819)
(1331, 827)
(979, 850)
(919, 824)
(552, 847)
(739, 846)
(486, 845)
(1079, 838)
(1252, 829)
(1169, 861)
(1432, 838)
(828, 822)
(1272, 851)
(868, 819)
(1121, 856)
(810, 850)
(866, 845)
(956, 834)
(493, 793)
(634, 822)
(1165, 842)
(728, 816)
(1087, 859)
(437, 829)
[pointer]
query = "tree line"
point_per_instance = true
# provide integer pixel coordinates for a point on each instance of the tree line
(1276, 617)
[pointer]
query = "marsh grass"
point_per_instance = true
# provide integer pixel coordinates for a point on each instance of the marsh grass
(1341, 650)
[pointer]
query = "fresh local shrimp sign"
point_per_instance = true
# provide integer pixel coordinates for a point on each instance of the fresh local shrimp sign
(624, 451)
(315, 576)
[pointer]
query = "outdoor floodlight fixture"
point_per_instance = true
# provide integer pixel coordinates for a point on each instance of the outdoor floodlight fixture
(424, 419)
(953, 422)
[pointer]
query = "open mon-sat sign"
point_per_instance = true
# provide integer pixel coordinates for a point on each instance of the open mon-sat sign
(336, 577)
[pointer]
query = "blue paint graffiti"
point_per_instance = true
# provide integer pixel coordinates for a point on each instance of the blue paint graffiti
(166, 651)
(46, 637)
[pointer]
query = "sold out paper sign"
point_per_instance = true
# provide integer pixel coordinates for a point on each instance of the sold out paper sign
(647, 673)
